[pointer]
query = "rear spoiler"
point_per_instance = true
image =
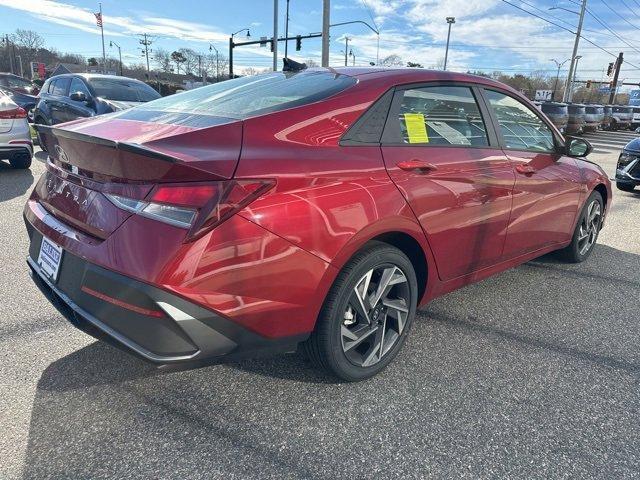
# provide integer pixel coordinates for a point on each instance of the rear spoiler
(123, 146)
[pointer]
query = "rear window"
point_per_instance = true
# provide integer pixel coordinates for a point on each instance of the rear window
(622, 109)
(122, 90)
(595, 109)
(247, 96)
(554, 109)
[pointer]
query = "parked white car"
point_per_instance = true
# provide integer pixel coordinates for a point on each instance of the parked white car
(15, 138)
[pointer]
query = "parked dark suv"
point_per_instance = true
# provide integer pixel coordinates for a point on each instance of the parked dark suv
(628, 168)
(67, 97)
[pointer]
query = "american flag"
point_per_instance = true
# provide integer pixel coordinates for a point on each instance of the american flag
(98, 19)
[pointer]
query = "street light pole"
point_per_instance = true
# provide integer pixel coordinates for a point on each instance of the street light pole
(111, 44)
(211, 47)
(569, 92)
(346, 49)
(575, 73)
(231, 45)
(555, 85)
(450, 21)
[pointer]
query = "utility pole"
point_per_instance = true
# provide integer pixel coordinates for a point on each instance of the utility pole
(211, 47)
(568, 93)
(146, 42)
(275, 35)
(104, 54)
(450, 21)
(200, 69)
(346, 49)
(326, 21)
(11, 59)
(612, 95)
(286, 32)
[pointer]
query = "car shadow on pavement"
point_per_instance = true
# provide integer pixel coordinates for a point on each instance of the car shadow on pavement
(510, 369)
(41, 156)
(13, 182)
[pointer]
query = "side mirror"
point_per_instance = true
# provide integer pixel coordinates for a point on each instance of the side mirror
(78, 97)
(577, 147)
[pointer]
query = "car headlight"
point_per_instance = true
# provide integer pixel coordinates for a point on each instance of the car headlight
(626, 158)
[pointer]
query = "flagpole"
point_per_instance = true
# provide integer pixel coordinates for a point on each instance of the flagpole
(104, 55)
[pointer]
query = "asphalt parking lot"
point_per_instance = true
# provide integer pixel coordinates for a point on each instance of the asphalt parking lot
(533, 373)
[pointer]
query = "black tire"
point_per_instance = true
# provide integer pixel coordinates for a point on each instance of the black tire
(576, 252)
(40, 121)
(326, 347)
(625, 187)
(20, 161)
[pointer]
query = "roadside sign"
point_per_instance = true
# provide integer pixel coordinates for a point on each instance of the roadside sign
(543, 95)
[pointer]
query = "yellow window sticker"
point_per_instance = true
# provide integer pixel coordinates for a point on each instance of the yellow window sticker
(416, 128)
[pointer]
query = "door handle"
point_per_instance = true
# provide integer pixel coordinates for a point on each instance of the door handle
(525, 168)
(417, 166)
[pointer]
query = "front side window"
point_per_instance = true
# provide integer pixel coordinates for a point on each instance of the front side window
(78, 85)
(520, 127)
(440, 116)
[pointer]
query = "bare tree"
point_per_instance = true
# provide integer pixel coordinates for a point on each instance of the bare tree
(163, 59)
(190, 60)
(29, 42)
(178, 58)
(215, 67)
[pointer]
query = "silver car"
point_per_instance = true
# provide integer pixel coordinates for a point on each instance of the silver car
(15, 138)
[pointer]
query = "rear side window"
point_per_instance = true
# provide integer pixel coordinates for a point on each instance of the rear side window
(441, 116)
(520, 127)
(61, 86)
(254, 95)
(51, 86)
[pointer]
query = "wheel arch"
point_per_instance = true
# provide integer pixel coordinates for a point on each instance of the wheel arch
(404, 234)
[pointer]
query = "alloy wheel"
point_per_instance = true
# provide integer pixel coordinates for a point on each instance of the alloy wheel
(376, 315)
(589, 227)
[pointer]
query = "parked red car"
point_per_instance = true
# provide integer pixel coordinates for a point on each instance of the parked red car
(319, 207)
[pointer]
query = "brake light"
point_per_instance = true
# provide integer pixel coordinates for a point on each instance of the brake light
(14, 113)
(197, 208)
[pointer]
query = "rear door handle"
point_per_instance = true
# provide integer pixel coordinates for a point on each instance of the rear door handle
(525, 168)
(417, 166)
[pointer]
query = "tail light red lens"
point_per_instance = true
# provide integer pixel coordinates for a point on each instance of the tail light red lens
(12, 114)
(196, 207)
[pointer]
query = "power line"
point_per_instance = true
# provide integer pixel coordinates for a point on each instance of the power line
(617, 14)
(568, 30)
(607, 27)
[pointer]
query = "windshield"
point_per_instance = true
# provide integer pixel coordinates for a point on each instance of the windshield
(247, 96)
(123, 90)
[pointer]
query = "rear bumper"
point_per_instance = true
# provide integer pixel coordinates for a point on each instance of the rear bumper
(174, 330)
(9, 149)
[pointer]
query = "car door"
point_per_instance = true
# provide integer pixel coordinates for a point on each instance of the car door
(58, 99)
(78, 109)
(444, 156)
(548, 184)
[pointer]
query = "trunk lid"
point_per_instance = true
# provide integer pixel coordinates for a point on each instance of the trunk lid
(128, 157)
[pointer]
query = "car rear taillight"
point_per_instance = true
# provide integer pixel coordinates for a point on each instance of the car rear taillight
(14, 113)
(195, 207)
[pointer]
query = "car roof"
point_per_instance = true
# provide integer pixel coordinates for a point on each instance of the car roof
(91, 76)
(402, 75)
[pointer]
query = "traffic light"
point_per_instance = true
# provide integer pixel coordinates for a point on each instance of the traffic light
(610, 69)
(298, 43)
(588, 83)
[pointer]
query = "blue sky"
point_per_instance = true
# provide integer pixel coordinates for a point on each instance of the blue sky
(488, 34)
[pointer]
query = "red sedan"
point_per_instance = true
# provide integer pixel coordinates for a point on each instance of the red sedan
(319, 207)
